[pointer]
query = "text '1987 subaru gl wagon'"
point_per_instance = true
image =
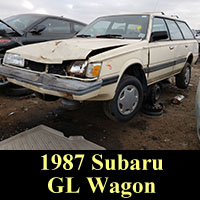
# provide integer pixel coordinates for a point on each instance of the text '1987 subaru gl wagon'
(115, 59)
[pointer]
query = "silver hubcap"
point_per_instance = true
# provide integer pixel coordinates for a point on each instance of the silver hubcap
(3, 81)
(128, 100)
(187, 76)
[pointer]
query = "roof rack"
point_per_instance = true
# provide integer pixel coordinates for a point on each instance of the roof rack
(175, 16)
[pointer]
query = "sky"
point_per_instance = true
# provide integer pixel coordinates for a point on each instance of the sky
(88, 10)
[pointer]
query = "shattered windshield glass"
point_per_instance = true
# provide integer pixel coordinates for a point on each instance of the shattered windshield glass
(124, 26)
(18, 22)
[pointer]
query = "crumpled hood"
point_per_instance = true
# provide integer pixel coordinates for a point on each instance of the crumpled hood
(69, 49)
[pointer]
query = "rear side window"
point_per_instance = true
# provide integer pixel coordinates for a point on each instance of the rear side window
(187, 33)
(174, 30)
(159, 25)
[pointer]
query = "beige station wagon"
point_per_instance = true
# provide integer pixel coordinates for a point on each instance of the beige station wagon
(115, 59)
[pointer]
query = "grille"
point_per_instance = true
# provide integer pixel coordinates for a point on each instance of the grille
(59, 69)
(56, 69)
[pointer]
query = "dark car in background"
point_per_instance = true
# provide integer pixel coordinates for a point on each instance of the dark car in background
(26, 29)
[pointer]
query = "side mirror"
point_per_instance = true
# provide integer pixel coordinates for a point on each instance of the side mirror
(2, 32)
(159, 35)
(38, 29)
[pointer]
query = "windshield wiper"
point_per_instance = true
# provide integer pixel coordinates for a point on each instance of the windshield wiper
(110, 36)
(16, 31)
(83, 36)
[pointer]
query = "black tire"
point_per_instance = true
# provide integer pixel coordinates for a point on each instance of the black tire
(154, 94)
(155, 110)
(16, 91)
(112, 107)
(183, 79)
(3, 82)
(46, 97)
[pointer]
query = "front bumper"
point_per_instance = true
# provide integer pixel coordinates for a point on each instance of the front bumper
(52, 84)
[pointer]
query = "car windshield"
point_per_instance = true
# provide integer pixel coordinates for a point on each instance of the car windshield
(126, 26)
(19, 22)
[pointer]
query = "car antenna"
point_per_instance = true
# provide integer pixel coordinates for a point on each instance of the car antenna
(156, 5)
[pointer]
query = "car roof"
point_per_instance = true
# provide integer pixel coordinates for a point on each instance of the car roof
(154, 14)
(46, 16)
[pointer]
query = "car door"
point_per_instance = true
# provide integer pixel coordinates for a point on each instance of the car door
(55, 29)
(161, 54)
(180, 48)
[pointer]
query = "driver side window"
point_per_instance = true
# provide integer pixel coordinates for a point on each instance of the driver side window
(56, 26)
(159, 26)
(99, 28)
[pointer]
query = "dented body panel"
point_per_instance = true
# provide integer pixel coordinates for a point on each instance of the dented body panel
(57, 51)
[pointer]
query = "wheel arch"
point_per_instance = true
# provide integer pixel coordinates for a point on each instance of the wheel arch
(136, 70)
(190, 59)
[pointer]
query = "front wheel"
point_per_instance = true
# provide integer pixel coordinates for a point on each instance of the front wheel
(183, 79)
(127, 101)
(3, 82)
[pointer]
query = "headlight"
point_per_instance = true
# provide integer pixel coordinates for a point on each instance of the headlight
(13, 59)
(82, 68)
(78, 68)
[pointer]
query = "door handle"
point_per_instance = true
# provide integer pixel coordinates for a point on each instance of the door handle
(171, 47)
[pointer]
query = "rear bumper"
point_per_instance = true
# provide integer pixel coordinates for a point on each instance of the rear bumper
(52, 84)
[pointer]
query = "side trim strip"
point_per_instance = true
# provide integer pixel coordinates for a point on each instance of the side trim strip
(109, 81)
(165, 65)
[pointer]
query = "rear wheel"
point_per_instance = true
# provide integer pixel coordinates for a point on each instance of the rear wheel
(183, 79)
(127, 100)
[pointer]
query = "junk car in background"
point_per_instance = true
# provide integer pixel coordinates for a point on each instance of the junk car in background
(26, 29)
